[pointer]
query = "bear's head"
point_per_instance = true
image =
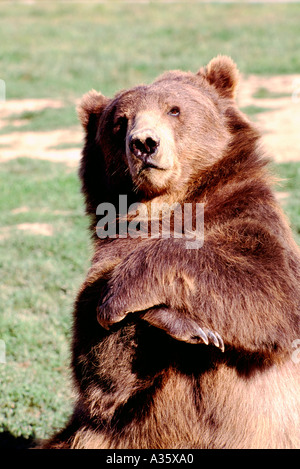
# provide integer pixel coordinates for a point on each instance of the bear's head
(159, 138)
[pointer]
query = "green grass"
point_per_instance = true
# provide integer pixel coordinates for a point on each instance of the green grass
(40, 276)
(61, 51)
(290, 174)
(58, 50)
(264, 93)
(43, 120)
(253, 110)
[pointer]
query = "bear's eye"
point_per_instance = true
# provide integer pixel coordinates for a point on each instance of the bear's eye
(174, 111)
(120, 125)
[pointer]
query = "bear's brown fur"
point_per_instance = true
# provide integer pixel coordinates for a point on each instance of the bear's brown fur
(204, 359)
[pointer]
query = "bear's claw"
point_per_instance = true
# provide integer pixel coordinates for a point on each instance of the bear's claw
(182, 328)
(213, 337)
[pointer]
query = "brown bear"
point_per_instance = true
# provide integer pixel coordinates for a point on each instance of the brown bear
(178, 345)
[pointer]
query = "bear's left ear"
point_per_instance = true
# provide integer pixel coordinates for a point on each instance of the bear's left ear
(222, 73)
(92, 103)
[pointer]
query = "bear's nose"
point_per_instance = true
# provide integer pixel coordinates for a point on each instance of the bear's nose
(144, 144)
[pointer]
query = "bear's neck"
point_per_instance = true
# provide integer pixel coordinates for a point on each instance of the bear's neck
(242, 162)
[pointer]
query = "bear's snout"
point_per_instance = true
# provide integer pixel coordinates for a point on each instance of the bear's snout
(151, 151)
(144, 145)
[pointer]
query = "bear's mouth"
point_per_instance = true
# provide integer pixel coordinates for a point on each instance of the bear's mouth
(147, 167)
(151, 165)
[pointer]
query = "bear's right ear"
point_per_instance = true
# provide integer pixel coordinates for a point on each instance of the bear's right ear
(222, 73)
(92, 103)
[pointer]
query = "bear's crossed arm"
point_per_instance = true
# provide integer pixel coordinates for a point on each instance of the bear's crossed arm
(236, 284)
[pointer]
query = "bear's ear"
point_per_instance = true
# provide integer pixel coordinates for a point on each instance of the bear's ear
(222, 73)
(92, 103)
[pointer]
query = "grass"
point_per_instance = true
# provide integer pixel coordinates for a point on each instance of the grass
(52, 50)
(253, 110)
(40, 276)
(43, 120)
(290, 173)
(264, 93)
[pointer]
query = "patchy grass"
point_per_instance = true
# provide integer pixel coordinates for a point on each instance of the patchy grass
(60, 50)
(42, 120)
(290, 174)
(40, 276)
(253, 110)
(264, 93)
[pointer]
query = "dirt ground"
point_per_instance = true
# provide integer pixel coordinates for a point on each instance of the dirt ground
(279, 124)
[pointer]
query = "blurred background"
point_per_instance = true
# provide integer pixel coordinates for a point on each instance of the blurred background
(50, 54)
